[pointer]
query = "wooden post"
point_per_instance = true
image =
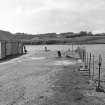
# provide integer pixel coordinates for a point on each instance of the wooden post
(100, 62)
(86, 63)
(93, 68)
(89, 65)
(87, 60)
(85, 56)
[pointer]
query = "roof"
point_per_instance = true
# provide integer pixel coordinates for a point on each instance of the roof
(7, 36)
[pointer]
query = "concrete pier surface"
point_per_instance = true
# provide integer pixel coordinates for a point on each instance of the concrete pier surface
(42, 78)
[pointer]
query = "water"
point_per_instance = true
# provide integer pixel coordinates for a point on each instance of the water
(93, 49)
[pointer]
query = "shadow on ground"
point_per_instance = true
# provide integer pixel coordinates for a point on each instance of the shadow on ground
(10, 57)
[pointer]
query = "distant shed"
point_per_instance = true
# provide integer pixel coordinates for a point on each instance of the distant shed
(9, 45)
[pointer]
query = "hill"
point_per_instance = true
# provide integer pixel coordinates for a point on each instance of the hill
(66, 38)
(53, 38)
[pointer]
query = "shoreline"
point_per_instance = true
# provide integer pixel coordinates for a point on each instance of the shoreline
(68, 44)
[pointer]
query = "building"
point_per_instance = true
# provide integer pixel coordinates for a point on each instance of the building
(9, 45)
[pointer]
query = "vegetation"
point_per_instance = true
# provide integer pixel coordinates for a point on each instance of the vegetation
(82, 37)
(66, 38)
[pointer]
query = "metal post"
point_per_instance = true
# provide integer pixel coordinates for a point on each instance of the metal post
(87, 59)
(89, 65)
(84, 56)
(100, 62)
(86, 65)
(93, 68)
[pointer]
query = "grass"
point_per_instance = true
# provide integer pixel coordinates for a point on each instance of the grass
(76, 40)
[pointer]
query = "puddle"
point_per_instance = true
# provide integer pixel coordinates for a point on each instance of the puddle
(79, 61)
(67, 62)
(64, 62)
(37, 58)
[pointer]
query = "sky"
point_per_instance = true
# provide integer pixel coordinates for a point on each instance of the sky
(46, 16)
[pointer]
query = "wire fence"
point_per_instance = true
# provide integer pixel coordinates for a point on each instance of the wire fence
(96, 69)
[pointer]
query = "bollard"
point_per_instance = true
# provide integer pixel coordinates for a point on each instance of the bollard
(45, 49)
(59, 53)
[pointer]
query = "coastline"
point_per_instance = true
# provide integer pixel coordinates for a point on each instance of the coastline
(74, 43)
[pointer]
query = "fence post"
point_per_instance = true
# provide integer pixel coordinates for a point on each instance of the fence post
(72, 48)
(100, 62)
(89, 65)
(87, 60)
(85, 57)
(93, 67)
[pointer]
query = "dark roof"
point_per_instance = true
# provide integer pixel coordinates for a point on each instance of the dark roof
(7, 36)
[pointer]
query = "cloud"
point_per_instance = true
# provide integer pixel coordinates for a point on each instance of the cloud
(52, 15)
